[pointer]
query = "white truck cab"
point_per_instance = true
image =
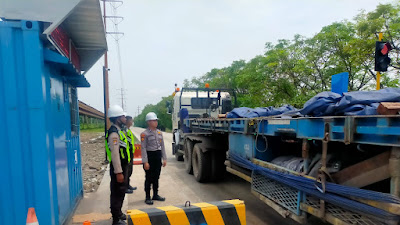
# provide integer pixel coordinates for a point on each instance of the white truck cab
(200, 103)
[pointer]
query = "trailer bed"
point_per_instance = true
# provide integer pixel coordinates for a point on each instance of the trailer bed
(375, 130)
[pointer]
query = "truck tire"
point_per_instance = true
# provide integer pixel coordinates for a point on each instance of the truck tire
(178, 155)
(201, 164)
(188, 149)
(218, 168)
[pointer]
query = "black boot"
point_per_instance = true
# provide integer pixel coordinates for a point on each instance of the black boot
(158, 198)
(118, 222)
(122, 217)
(148, 201)
(132, 188)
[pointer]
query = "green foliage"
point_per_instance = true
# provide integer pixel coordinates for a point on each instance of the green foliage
(292, 71)
(164, 119)
(93, 130)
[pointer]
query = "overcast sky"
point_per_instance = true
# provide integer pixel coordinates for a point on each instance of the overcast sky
(167, 41)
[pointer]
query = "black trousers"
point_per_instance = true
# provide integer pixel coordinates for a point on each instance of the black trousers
(153, 174)
(130, 170)
(117, 191)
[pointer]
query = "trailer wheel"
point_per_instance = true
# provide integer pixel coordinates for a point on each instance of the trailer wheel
(187, 147)
(201, 164)
(218, 167)
(178, 156)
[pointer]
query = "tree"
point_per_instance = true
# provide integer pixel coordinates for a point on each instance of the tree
(164, 119)
(293, 71)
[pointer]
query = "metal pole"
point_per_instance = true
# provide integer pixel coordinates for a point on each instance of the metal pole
(105, 108)
(122, 98)
(378, 74)
(105, 83)
(106, 90)
(305, 155)
(394, 169)
(322, 170)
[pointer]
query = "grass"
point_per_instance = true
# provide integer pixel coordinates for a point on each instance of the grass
(93, 130)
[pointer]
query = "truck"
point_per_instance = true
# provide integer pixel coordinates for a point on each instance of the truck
(341, 169)
(197, 103)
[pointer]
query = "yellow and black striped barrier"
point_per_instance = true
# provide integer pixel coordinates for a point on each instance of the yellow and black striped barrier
(230, 212)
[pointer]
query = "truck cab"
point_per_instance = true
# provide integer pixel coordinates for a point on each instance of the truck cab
(197, 103)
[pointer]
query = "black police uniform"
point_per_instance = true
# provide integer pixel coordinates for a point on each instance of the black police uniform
(117, 189)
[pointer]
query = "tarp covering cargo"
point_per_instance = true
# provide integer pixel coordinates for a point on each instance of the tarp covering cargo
(328, 104)
(244, 112)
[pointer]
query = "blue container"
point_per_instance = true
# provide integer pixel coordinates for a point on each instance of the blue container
(250, 146)
(40, 151)
(340, 82)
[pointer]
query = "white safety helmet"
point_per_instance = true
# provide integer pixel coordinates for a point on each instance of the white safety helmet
(115, 111)
(151, 116)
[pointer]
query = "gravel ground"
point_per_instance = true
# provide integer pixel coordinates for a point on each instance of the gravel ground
(93, 160)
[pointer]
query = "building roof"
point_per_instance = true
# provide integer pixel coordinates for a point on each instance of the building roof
(81, 19)
(85, 109)
(85, 27)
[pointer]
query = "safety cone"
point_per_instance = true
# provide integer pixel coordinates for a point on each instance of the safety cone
(86, 223)
(31, 219)
(137, 156)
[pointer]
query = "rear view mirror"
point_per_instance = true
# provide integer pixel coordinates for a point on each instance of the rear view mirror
(169, 107)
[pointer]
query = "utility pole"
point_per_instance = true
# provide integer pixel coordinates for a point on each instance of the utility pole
(122, 98)
(105, 77)
(138, 109)
(378, 74)
(107, 123)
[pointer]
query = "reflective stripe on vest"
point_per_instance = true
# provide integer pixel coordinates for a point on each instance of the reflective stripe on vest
(131, 139)
(123, 143)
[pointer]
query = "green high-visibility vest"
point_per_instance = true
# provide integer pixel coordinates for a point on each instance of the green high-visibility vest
(131, 140)
(123, 146)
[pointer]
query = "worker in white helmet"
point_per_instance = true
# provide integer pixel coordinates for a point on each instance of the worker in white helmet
(117, 148)
(153, 157)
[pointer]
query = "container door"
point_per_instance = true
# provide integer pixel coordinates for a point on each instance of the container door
(73, 146)
(60, 140)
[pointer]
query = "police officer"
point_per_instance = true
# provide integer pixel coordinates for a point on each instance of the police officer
(153, 156)
(118, 155)
(131, 141)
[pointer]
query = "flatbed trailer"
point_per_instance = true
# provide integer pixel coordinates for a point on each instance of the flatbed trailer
(371, 143)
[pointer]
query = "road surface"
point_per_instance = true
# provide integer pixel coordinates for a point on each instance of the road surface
(177, 187)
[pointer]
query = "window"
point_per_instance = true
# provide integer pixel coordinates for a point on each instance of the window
(226, 106)
(203, 103)
(73, 103)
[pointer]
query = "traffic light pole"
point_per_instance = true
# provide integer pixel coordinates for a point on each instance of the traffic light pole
(378, 74)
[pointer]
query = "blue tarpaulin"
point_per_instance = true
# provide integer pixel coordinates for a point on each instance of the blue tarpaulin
(244, 112)
(327, 104)
(350, 103)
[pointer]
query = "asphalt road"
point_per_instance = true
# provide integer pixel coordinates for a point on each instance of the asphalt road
(178, 187)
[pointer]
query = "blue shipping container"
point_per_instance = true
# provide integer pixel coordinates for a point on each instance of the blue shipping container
(40, 148)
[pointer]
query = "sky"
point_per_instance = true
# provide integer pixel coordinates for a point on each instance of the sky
(166, 42)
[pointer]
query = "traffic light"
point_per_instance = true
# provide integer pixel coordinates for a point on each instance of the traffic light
(382, 59)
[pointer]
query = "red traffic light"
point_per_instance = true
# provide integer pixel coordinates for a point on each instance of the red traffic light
(386, 48)
(382, 60)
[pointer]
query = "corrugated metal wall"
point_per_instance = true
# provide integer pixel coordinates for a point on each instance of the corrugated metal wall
(40, 157)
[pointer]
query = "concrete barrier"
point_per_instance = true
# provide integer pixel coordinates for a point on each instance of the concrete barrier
(230, 212)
